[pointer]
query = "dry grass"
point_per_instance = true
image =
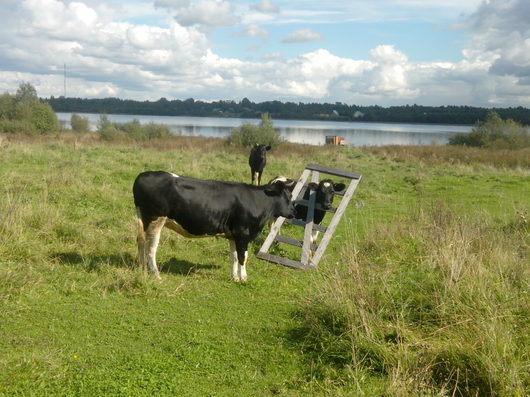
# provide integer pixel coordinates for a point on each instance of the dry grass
(438, 155)
(437, 303)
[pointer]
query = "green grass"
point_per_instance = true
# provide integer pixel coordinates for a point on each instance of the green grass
(378, 317)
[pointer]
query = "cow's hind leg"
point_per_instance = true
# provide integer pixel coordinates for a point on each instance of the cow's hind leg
(141, 241)
(235, 263)
(153, 237)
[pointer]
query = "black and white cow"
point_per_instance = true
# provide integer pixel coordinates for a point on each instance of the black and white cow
(205, 208)
(325, 192)
(257, 161)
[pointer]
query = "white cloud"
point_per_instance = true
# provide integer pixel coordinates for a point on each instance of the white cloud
(253, 30)
(501, 33)
(302, 35)
(389, 75)
(266, 6)
(271, 56)
(208, 13)
(171, 4)
(108, 52)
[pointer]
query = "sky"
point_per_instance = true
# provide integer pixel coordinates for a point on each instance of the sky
(379, 52)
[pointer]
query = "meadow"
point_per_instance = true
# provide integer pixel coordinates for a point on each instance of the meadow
(423, 290)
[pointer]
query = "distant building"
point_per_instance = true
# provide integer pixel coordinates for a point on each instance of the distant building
(334, 140)
(358, 114)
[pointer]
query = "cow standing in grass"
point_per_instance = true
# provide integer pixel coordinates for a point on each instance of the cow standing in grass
(205, 208)
(257, 161)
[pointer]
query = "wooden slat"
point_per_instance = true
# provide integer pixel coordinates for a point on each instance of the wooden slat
(307, 261)
(333, 171)
(292, 241)
(334, 222)
(317, 206)
(283, 261)
(306, 251)
(299, 222)
(278, 224)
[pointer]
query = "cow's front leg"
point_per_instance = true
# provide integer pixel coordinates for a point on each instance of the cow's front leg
(239, 253)
(242, 256)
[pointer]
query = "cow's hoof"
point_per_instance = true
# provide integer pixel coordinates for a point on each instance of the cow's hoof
(236, 278)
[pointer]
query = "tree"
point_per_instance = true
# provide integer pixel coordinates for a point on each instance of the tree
(248, 135)
(26, 93)
(6, 106)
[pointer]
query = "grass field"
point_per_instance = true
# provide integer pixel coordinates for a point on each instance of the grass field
(423, 290)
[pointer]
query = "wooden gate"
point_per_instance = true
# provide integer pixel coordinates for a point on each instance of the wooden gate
(311, 253)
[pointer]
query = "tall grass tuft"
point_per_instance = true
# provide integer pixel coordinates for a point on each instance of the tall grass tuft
(437, 304)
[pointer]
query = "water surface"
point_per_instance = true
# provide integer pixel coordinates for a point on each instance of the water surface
(298, 131)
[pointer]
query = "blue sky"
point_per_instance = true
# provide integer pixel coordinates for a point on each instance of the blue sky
(383, 52)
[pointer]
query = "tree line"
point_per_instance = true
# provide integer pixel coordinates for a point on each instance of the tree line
(245, 108)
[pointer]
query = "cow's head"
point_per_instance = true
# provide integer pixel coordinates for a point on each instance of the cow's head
(260, 151)
(284, 206)
(326, 191)
(290, 183)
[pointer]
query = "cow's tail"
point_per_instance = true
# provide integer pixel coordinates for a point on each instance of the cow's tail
(140, 239)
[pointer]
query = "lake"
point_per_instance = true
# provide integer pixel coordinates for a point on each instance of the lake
(298, 131)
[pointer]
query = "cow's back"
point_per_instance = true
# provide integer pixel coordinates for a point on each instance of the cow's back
(200, 207)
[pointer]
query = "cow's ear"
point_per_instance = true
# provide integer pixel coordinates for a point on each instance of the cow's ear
(339, 187)
(268, 147)
(313, 186)
(274, 189)
(290, 183)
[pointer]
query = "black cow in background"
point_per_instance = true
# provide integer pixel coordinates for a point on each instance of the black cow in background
(257, 161)
(325, 192)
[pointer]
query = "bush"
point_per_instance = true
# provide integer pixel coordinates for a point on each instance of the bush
(133, 129)
(6, 106)
(17, 127)
(79, 124)
(155, 131)
(110, 133)
(496, 133)
(44, 118)
(23, 109)
(248, 135)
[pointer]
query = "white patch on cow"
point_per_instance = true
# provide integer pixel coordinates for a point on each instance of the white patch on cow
(279, 179)
(235, 262)
(175, 175)
(243, 268)
(314, 236)
(239, 272)
(255, 176)
(326, 184)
